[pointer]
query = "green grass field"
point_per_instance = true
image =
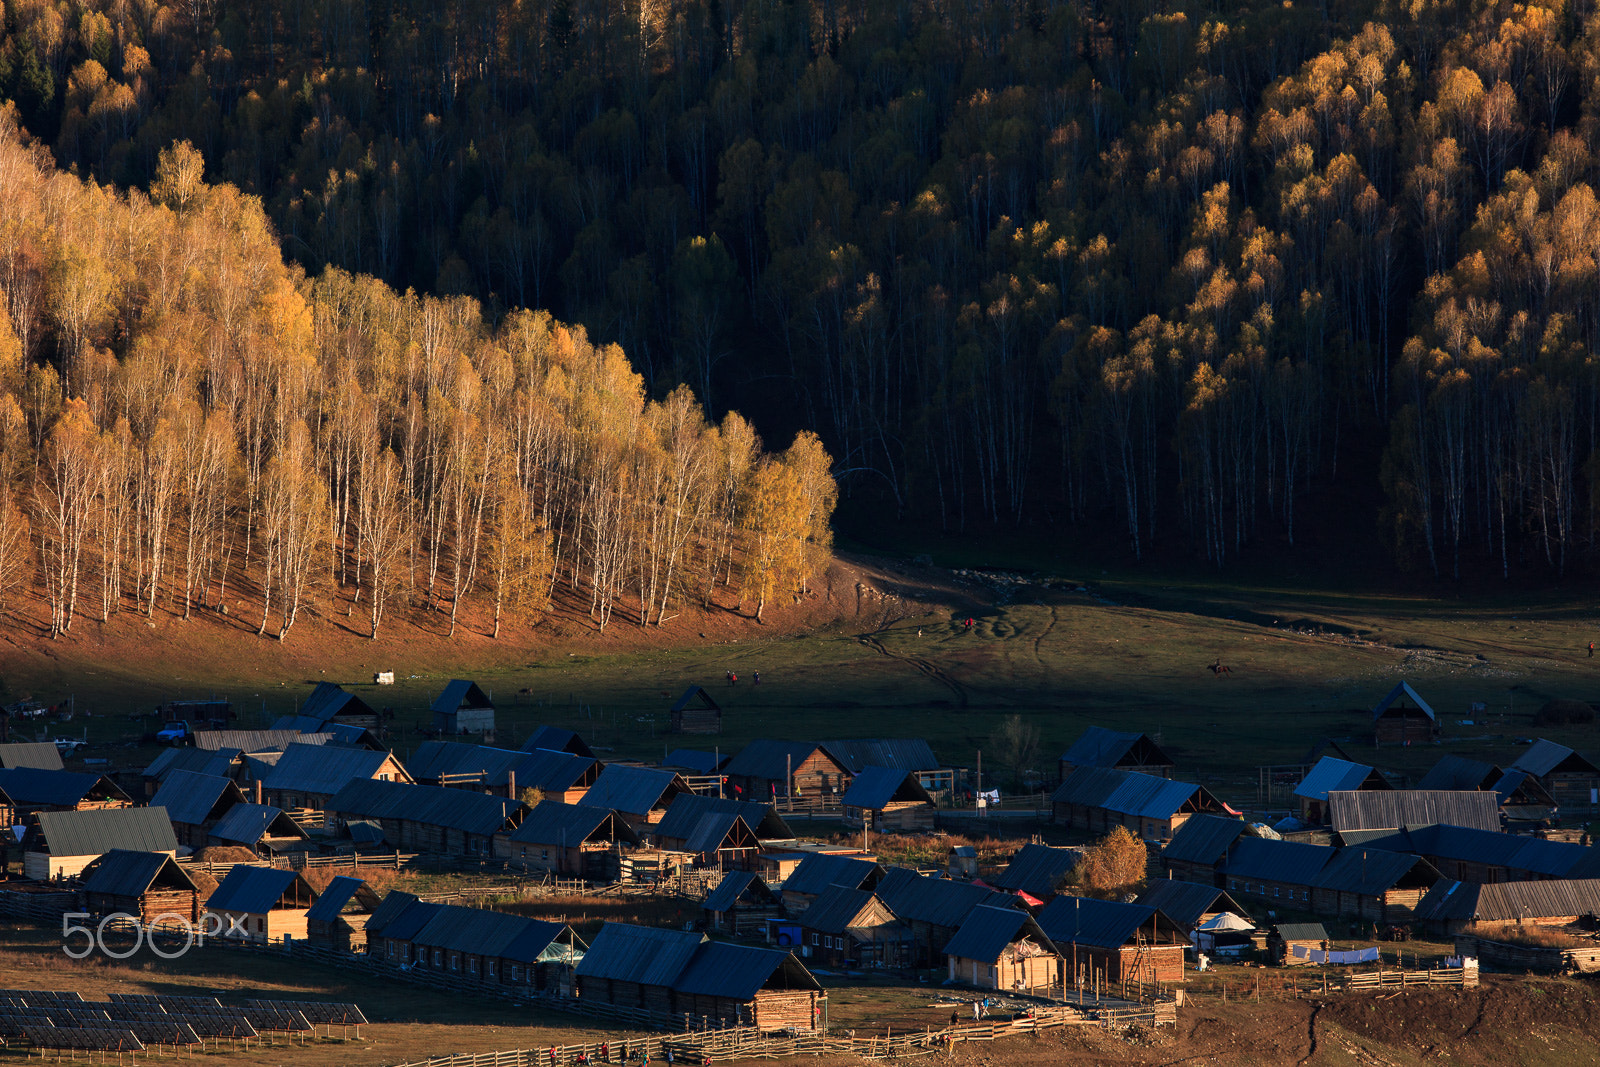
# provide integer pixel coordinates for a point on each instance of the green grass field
(1124, 652)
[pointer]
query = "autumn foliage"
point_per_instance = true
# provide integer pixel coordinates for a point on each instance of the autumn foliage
(184, 418)
(1113, 865)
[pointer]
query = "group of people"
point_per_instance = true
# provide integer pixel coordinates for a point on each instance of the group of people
(603, 1055)
(733, 677)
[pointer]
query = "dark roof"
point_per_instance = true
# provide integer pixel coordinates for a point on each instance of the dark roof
(1102, 923)
(247, 824)
(772, 759)
(552, 771)
(1400, 691)
(554, 823)
(1038, 870)
(1547, 756)
(1331, 774)
(1556, 859)
(192, 798)
(901, 753)
(96, 832)
(345, 734)
(328, 700)
(1185, 902)
(987, 930)
(461, 693)
(1203, 839)
(721, 969)
(733, 887)
(395, 904)
(458, 809)
(694, 759)
(255, 890)
(1099, 747)
(201, 760)
(341, 891)
(125, 873)
(1379, 809)
(695, 692)
(688, 809)
(935, 901)
(433, 760)
(877, 787)
(27, 786)
(481, 932)
(818, 872)
(712, 830)
(1127, 792)
(257, 740)
(644, 954)
(555, 739)
(1369, 871)
(1458, 772)
(1300, 932)
(322, 769)
(1289, 862)
(834, 908)
(633, 790)
(1509, 901)
(42, 755)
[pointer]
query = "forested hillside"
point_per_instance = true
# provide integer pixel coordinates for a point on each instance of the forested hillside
(209, 420)
(1165, 266)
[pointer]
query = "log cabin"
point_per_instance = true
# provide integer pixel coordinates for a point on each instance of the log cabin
(491, 946)
(195, 803)
(568, 841)
(1449, 907)
(1198, 850)
(329, 703)
(847, 927)
(1117, 751)
(426, 818)
(1116, 943)
(265, 830)
(1479, 856)
(30, 790)
(1372, 885)
(1523, 801)
(60, 844)
(888, 800)
(641, 795)
(260, 904)
(149, 886)
(1096, 799)
(767, 770)
(1566, 775)
(1038, 870)
(742, 904)
(223, 763)
(339, 917)
(308, 776)
(462, 708)
(934, 908)
(1404, 718)
(1278, 872)
(812, 877)
(695, 712)
(1331, 774)
(719, 832)
(556, 775)
(1003, 949)
(556, 739)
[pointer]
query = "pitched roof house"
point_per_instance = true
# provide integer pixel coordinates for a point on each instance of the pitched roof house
(888, 800)
(568, 841)
(41, 755)
(741, 904)
(150, 886)
(1200, 846)
(1330, 775)
(1571, 778)
(195, 803)
(1403, 717)
(1003, 949)
(1040, 871)
(847, 927)
(1393, 808)
(265, 829)
(62, 843)
(307, 776)
(462, 708)
(766, 770)
(427, 818)
(640, 795)
(1116, 943)
(1096, 799)
(1115, 750)
(260, 904)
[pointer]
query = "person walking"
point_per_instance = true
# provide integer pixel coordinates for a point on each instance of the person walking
(955, 1016)
(1591, 650)
(756, 678)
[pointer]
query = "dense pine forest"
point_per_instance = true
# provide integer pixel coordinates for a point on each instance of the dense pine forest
(1165, 268)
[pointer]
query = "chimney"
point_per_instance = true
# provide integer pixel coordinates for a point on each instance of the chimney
(511, 784)
(258, 790)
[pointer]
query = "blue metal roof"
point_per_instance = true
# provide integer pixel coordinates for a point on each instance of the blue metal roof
(633, 790)
(459, 809)
(461, 692)
(688, 809)
(1330, 774)
(255, 890)
(247, 824)
(987, 930)
(30, 785)
(1186, 902)
(875, 787)
(694, 759)
(341, 891)
(124, 872)
(1403, 690)
(900, 753)
(721, 969)
(555, 739)
(1085, 921)
(1125, 792)
(567, 825)
(1203, 839)
(735, 885)
(769, 759)
(1370, 871)
(191, 798)
(1458, 772)
(647, 955)
(1099, 747)
(1289, 862)
(1546, 756)
(835, 909)
(935, 901)
(323, 769)
(818, 872)
(1038, 870)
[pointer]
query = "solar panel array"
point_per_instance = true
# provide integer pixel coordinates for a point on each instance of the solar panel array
(128, 1022)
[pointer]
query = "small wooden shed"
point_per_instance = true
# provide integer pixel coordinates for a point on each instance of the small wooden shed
(62, 843)
(889, 800)
(568, 841)
(847, 927)
(1403, 718)
(339, 917)
(1116, 750)
(1114, 942)
(742, 904)
(150, 886)
(696, 712)
(463, 708)
(1285, 938)
(195, 803)
(1003, 949)
(260, 904)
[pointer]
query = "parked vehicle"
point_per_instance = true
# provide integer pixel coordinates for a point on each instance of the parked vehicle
(174, 733)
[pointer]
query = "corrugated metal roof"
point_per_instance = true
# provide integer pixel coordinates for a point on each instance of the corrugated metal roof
(345, 734)
(30, 785)
(1546, 756)
(395, 904)
(96, 832)
(324, 769)
(458, 809)
(1531, 790)
(480, 932)
(712, 830)
(1099, 747)
(1038, 870)
(935, 901)
(816, 873)
(987, 930)
(1203, 839)
(1391, 809)
(643, 954)
(554, 823)
(434, 759)
(1458, 772)
(328, 700)
(1330, 774)
(555, 739)
(191, 798)
(554, 772)
(1125, 792)
(339, 892)
(734, 885)
(696, 692)
(246, 824)
(721, 969)
(1510, 901)
(633, 790)
(900, 753)
(876, 787)
(1185, 902)
(1403, 690)
(1277, 861)
(1369, 871)
(41, 755)
(461, 693)
(255, 890)
(835, 909)
(200, 760)
(1301, 931)
(688, 809)
(1101, 923)
(257, 740)
(1556, 859)
(125, 873)
(694, 760)
(772, 759)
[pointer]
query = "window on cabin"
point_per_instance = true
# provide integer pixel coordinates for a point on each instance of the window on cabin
(489, 967)
(1277, 891)
(455, 962)
(438, 957)
(544, 853)
(813, 939)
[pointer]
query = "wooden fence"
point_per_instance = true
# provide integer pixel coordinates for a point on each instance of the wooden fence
(1299, 984)
(1542, 959)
